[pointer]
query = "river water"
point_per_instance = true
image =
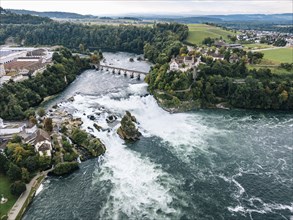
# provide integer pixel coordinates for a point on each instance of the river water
(208, 164)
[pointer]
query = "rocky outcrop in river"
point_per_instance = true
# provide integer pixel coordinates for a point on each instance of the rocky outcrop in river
(128, 130)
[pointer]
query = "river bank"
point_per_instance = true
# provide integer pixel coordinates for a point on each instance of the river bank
(196, 165)
(24, 200)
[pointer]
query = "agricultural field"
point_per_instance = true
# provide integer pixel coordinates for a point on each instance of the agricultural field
(198, 32)
(5, 190)
(280, 55)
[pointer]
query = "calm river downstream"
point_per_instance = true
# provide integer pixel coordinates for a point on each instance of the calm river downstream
(208, 164)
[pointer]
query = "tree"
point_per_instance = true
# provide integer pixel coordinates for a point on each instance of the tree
(65, 168)
(63, 129)
(4, 163)
(31, 163)
(17, 188)
(33, 120)
(41, 112)
(48, 124)
(79, 136)
(208, 41)
(233, 38)
(44, 162)
(94, 58)
(283, 97)
(15, 139)
(183, 50)
(14, 172)
(81, 47)
(25, 175)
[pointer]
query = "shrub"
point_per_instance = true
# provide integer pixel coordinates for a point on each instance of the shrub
(17, 188)
(65, 168)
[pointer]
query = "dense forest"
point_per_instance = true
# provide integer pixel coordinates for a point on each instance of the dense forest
(158, 43)
(17, 98)
(231, 84)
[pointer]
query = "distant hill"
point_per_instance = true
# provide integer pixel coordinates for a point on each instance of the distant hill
(8, 17)
(52, 14)
(286, 17)
(255, 17)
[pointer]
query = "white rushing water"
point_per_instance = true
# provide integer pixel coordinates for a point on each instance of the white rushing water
(138, 183)
(199, 165)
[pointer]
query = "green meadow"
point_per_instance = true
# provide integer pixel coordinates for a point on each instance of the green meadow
(280, 55)
(198, 32)
(5, 190)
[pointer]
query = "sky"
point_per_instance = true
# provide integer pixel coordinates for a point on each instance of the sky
(181, 8)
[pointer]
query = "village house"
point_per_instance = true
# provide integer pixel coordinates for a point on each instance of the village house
(234, 58)
(182, 63)
(11, 128)
(41, 141)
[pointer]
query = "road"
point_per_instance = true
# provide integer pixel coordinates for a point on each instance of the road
(23, 197)
(270, 48)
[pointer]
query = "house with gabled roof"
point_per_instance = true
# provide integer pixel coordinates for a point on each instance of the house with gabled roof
(41, 141)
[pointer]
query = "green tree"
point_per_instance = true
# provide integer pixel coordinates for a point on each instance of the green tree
(41, 112)
(48, 124)
(79, 136)
(283, 97)
(14, 172)
(4, 163)
(15, 139)
(25, 175)
(17, 188)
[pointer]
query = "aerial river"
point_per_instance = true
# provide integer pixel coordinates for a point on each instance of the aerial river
(207, 164)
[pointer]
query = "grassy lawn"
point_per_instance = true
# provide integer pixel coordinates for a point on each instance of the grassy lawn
(198, 32)
(277, 56)
(5, 190)
(274, 69)
(256, 46)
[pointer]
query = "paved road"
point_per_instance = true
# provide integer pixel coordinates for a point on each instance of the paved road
(21, 200)
(270, 48)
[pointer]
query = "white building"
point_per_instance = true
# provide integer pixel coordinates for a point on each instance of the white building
(7, 56)
(41, 141)
(182, 63)
(4, 79)
(15, 128)
(11, 129)
(174, 65)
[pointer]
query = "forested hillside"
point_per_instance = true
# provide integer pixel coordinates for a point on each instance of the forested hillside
(159, 42)
(6, 17)
(17, 98)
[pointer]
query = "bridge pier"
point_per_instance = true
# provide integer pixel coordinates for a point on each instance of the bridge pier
(119, 71)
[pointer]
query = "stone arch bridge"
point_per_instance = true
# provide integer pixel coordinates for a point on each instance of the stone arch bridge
(117, 70)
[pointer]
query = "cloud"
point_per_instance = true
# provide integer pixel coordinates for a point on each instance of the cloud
(186, 7)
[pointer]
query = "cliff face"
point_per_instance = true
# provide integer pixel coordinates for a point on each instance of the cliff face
(128, 130)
